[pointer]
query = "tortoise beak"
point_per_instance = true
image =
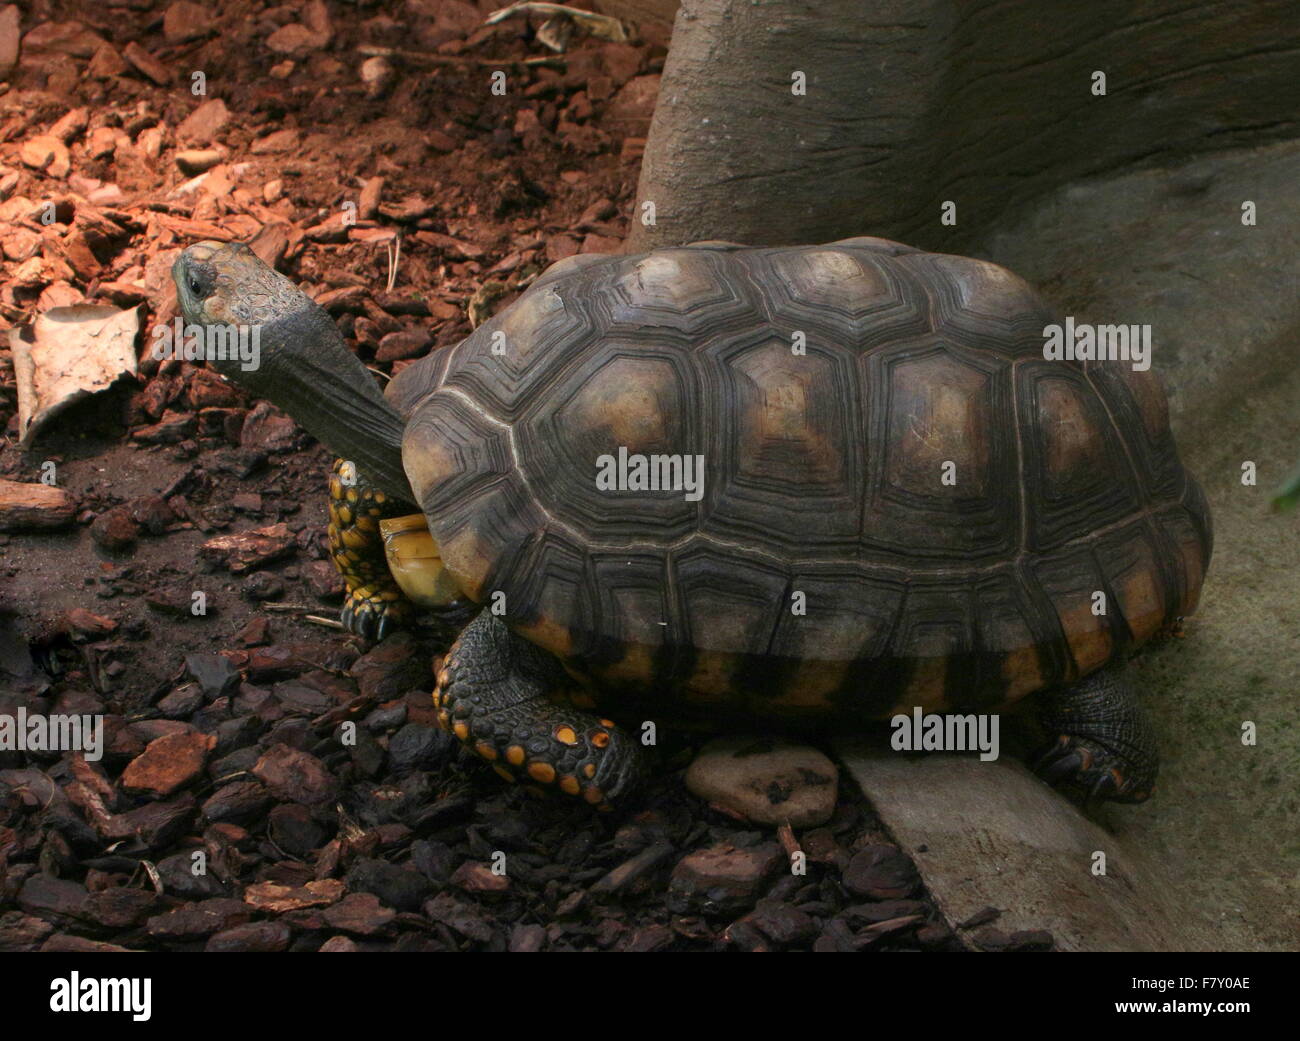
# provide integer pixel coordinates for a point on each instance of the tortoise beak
(192, 271)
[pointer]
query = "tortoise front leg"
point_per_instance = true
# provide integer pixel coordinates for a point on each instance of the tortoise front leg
(1105, 744)
(492, 693)
(375, 604)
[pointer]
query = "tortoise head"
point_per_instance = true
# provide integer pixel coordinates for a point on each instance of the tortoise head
(225, 289)
(299, 361)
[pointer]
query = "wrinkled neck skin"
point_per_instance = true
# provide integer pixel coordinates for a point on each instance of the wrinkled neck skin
(308, 372)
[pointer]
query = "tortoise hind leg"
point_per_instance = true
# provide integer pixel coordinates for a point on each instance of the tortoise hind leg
(375, 604)
(492, 694)
(1105, 744)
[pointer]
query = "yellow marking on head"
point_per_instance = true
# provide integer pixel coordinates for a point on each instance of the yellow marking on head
(566, 735)
(589, 769)
(485, 750)
(599, 738)
(515, 755)
(503, 772)
(352, 495)
(461, 730)
(543, 772)
(569, 785)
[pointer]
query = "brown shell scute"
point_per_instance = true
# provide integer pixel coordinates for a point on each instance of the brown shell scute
(823, 478)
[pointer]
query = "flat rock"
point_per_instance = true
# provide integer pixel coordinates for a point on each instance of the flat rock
(168, 764)
(723, 879)
(55, 899)
(766, 780)
(252, 936)
(237, 801)
(397, 885)
(194, 161)
(201, 125)
(276, 898)
(881, 872)
(47, 153)
(295, 775)
(186, 21)
(9, 36)
(359, 913)
(22, 932)
(120, 907)
(248, 550)
(114, 529)
(66, 943)
(216, 675)
(392, 668)
(200, 919)
(147, 63)
(478, 878)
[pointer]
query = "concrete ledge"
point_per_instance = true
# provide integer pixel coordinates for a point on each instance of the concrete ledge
(992, 835)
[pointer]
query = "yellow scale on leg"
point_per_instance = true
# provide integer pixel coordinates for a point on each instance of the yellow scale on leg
(375, 602)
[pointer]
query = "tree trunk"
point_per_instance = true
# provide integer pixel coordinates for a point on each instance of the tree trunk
(910, 104)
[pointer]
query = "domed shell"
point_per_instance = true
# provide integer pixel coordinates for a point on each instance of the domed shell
(902, 502)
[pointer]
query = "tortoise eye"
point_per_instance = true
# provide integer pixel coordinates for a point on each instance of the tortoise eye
(195, 288)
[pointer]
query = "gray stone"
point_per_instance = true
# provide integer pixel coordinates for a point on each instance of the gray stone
(766, 780)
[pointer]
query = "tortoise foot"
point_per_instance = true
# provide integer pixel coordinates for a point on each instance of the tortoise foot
(372, 617)
(1094, 771)
(1105, 746)
(492, 694)
(375, 604)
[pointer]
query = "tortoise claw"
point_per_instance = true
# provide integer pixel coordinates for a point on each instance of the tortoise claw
(1085, 766)
(372, 618)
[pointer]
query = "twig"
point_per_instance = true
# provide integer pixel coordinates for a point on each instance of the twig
(393, 247)
(420, 58)
(789, 843)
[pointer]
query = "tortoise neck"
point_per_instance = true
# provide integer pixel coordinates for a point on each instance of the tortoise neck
(308, 372)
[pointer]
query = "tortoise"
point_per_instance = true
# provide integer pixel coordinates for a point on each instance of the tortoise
(802, 487)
